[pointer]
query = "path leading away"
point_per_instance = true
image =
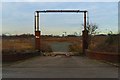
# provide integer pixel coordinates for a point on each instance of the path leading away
(60, 46)
(60, 67)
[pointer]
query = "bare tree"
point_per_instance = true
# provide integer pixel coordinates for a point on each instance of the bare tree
(91, 28)
(91, 31)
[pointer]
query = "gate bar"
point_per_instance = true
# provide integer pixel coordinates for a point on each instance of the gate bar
(45, 11)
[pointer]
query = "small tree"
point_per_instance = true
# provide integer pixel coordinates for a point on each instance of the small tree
(92, 29)
(91, 32)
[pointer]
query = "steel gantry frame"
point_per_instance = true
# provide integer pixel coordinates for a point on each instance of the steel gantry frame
(38, 32)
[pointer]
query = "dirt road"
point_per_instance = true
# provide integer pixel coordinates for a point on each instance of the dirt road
(60, 46)
(60, 67)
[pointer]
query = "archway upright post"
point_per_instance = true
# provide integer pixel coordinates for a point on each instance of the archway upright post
(37, 31)
(85, 36)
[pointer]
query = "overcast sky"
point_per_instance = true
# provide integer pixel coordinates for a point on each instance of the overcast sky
(18, 17)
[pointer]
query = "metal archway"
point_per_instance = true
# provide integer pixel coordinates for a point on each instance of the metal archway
(38, 33)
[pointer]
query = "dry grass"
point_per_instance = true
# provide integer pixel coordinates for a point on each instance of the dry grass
(17, 45)
(76, 42)
(75, 47)
(11, 45)
(104, 44)
(45, 47)
(62, 39)
(97, 40)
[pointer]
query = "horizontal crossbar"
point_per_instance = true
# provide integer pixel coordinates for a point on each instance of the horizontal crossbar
(46, 11)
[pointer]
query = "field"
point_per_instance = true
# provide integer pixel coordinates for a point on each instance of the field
(18, 44)
(22, 44)
(16, 47)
